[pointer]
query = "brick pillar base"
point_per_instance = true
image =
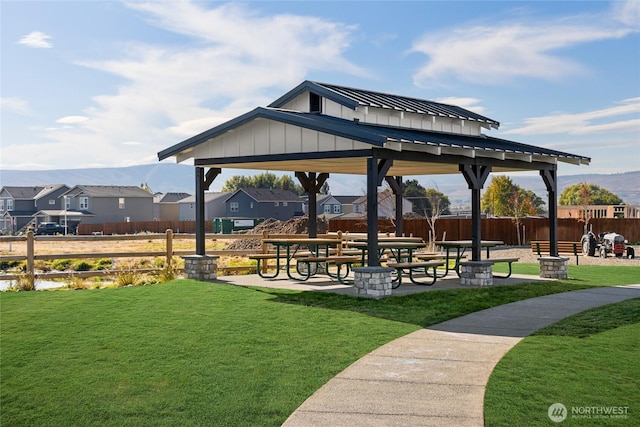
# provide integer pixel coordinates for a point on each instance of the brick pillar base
(553, 267)
(372, 281)
(201, 267)
(476, 273)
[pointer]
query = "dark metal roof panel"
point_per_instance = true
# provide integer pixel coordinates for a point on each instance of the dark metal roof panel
(352, 97)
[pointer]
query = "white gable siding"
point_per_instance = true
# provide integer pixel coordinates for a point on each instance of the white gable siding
(270, 137)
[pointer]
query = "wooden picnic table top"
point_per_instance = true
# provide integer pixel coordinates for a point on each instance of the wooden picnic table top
(302, 241)
(389, 245)
(468, 243)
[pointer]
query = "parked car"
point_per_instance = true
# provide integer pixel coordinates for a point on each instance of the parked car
(49, 228)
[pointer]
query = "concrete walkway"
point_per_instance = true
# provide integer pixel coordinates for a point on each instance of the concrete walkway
(437, 376)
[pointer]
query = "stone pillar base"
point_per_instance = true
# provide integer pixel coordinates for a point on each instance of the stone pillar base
(201, 267)
(553, 267)
(372, 281)
(476, 273)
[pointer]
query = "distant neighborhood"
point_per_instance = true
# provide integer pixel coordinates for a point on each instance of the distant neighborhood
(24, 208)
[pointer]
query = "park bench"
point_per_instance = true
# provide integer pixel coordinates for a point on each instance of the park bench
(568, 248)
(411, 267)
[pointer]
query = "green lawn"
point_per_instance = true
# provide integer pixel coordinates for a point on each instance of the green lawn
(590, 360)
(193, 353)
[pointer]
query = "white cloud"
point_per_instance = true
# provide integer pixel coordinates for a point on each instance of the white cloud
(36, 39)
(72, 120)
(627, 12)
(588, 122)
(468, 103)
(493, 54)
(17, 105)
(238, 59)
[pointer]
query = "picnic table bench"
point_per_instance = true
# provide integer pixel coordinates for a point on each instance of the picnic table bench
(568, 248)
(411, 267)
(507, 260)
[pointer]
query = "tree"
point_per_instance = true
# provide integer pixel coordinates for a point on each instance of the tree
(576, 194)
(263, 180)
(416, 194)
(504, 198)
(438, 205)
(498, 198)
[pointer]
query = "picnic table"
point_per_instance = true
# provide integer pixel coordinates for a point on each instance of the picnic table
(461, 246)
(286, 249)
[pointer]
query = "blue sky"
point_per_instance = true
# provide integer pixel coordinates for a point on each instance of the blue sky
(104, 84)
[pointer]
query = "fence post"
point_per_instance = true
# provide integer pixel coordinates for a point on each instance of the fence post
(30, 253)
(169, 247)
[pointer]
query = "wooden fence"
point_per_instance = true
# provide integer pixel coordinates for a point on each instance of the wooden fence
(503, 229)
(167, 253)
(455, 228)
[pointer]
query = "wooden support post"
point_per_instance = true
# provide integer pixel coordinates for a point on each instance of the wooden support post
(30, 253)
(550, 178)
(372, 213)
(169, 248)
(265, 249)
(475, 175)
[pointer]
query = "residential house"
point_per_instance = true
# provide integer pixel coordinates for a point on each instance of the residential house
(29, 205)
(330, 206)
(105, 203)
(386, 205)
(166, 207)
(599, 211)
(214, 206)
(264, 203)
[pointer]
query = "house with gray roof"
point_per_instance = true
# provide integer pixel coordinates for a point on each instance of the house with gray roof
(109, 203)
(214, 206)
(264, 203)
(165, 206)
(21, 206)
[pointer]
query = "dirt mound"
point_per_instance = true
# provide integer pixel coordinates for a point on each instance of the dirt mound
(297, 225)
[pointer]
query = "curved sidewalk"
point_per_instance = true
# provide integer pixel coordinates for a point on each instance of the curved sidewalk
(437, 376)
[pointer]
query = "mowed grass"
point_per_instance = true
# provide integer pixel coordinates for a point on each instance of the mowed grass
(590, 360)
(193, 353)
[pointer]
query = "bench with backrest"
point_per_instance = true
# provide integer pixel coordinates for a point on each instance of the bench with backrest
(541, 247)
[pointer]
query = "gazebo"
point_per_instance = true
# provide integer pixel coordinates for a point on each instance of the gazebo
(317, 129)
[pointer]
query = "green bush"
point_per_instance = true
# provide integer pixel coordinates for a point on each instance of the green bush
(103, 264)
(82, 266)
(61, 264)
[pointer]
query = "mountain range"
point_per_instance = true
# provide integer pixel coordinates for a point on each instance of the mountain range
(170, 177)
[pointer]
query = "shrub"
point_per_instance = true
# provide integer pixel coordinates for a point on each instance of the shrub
(61, 264)
(75, 282)
(103, 264)
(24, 282)
(82, 266)
(127, 278)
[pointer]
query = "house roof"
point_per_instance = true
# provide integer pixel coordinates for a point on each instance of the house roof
(169, 197)
(269, 195)
(209, 196)
(23, 193)
(346, 200)
(109, 191)
(352, 98)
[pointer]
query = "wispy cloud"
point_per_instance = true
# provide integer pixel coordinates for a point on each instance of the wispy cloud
(622, 117)
(470, 104)
(237, 59)
(493, 54)
(17, 105)
(72, 120)
(36, 39)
